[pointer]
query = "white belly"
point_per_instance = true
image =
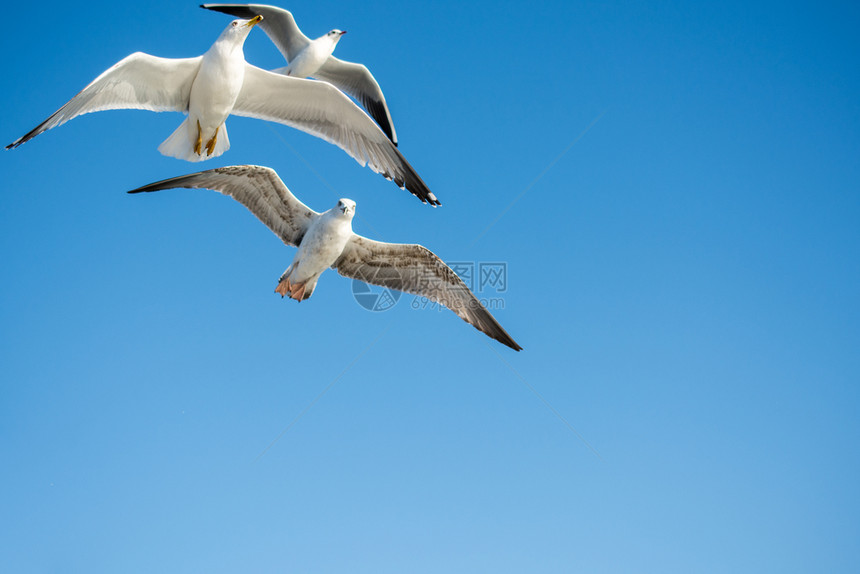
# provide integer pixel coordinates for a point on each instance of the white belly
(320, 248)
(309, 60)
(214, 91)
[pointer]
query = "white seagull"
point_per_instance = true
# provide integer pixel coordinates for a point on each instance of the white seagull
(219, 83)
(326, 240)
(313, 58)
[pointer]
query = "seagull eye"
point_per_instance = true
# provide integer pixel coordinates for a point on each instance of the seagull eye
(235, 24)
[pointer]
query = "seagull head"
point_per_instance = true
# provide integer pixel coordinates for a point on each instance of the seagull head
(345, 208)
(238, 30)
(335, 35)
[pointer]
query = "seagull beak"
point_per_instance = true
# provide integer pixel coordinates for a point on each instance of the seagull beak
(342, 32)
(254, 21)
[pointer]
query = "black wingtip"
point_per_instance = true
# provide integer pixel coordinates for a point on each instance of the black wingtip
(430, 198)
(506, 340)
(157, 186)
(237, 10)
(21, 140)
(413, 183)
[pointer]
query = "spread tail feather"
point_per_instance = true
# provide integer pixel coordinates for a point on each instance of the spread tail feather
(181, 142)
(297, 291)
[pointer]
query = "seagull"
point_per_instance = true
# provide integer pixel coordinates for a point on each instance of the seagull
(326, 240)
(314, 58)
(219, 83)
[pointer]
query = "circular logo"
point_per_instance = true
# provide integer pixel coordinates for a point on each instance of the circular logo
(374, 298)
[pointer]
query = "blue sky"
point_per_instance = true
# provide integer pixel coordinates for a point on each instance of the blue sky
(673, 189)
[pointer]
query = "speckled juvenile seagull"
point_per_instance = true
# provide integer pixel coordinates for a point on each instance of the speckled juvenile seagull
(313, 58)
(211, 87)
(327, 240)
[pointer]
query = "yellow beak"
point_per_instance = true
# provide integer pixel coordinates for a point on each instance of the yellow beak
(254, 21)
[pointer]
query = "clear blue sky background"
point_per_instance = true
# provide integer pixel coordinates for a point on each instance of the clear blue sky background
(684, 277)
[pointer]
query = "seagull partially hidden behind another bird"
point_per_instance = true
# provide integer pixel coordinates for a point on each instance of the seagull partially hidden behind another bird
(313, 58)
(326, 240)
(219, 83)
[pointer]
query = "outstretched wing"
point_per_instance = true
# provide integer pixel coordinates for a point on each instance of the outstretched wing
(354, 79)
(357, 81)
(138, 82)
(257, 188)
(322, 110)
(417, 270)
(278, 24)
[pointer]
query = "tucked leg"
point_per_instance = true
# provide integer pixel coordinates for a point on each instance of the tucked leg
(199, 144)
(210, 145)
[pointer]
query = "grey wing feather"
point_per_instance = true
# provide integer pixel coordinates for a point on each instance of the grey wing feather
(278, 24)
(357, 81)
(354, 79)
(322, 110)
(417, 270)
(257, 188)
(139, 81)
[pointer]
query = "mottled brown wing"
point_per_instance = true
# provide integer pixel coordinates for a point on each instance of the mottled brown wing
(257, 188)
(417, 270)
